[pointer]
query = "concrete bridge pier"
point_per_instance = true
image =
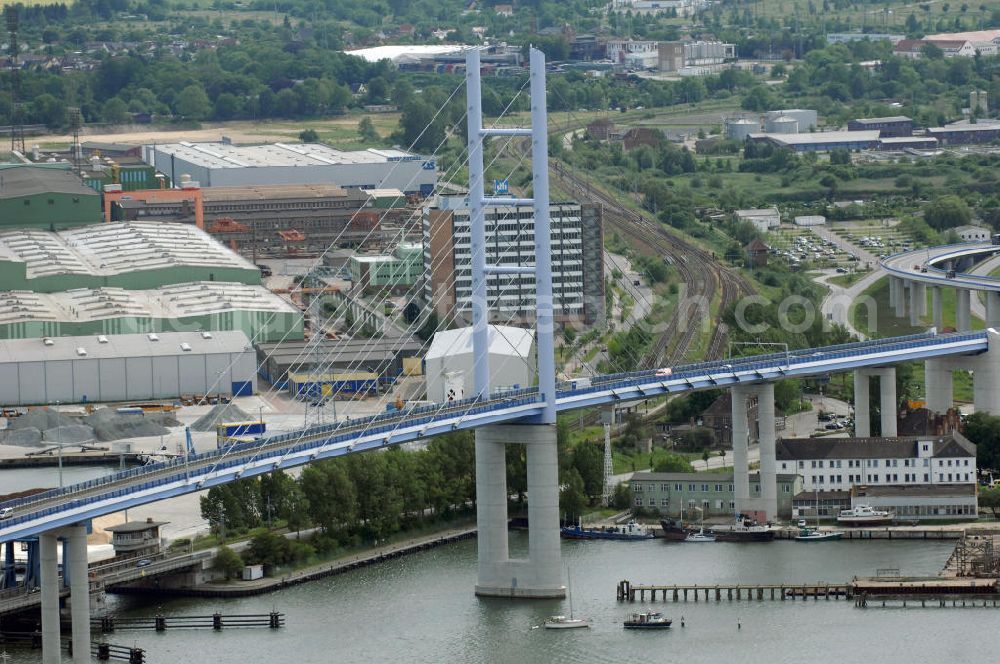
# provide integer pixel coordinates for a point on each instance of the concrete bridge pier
(75, 570)
(49, 573)
(993, 309)
(8, 579)
(899, 302)
(963, 309)
(741, 443)
(767, 501)
(936, 310)
(939, 385)
(79, 588)
(539, 575)
(918, 302)
(887, 401)
(986, 377)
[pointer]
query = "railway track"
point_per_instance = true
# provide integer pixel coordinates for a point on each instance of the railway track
(697, 268)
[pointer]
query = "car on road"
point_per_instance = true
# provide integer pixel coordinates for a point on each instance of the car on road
(6, 512)
(841, 270)
(145, 562)
(802, 523)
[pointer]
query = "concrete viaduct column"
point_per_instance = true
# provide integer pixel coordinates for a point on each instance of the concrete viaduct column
(917, 295)
(49, 572)
(936, 308)
(540, 575)
(900, 302)
(938, 384)
(741, 439)
(986, 378)
(887, 399)
(963, 309)
(79, 594)
(862, 399)
(892, 291)
(768, 457)
(993, 309)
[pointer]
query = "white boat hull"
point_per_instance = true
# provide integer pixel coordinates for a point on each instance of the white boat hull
(567, 624)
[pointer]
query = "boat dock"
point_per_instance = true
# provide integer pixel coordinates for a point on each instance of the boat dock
(879, 533)
(629, 592)
(933, 591)
(887, 590)
(161, 623)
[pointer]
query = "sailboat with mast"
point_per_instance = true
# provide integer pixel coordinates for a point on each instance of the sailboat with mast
(563, 622)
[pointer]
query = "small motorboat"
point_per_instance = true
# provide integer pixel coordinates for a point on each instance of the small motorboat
(813, 535)
(700, 536)
(647, 620)
(562, 622)
(865, 515)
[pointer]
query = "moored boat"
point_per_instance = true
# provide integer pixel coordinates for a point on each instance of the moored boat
(647, 620)
(865, 515)
(813, 535)
(562, 622)
(700, 536)
(629, 532)
(744, 529)
(672, 530)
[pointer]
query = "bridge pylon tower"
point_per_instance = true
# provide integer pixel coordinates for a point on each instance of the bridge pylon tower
(540, 574)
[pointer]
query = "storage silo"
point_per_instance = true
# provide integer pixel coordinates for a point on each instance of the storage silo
(806, 117)
(739, 128)
(781, 124)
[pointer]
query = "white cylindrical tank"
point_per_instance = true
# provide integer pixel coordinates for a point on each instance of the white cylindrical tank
(739, 128)
(782, 124)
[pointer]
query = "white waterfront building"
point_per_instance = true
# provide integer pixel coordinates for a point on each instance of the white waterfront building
(838, 464)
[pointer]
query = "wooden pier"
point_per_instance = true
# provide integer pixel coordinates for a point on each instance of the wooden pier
(100, 651)
(216, 621)
(629, 592)
(884, 590)
(863, 534)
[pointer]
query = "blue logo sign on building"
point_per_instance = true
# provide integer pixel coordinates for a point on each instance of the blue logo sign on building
(501, 187)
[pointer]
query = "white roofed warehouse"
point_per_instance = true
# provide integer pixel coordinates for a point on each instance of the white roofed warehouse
(449, 362)
(125, 367)
(226, 165)
(124, 278)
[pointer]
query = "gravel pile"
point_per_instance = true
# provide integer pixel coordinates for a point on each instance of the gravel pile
(109, 424)
(69, 433)
(219, 413)
(41, 419)
(46, 425)
(25, 436)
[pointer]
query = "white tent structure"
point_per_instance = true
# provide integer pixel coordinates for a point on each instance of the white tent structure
(449, 363)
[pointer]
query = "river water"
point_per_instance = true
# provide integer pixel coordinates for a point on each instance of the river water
(422, 609)
(47, 477)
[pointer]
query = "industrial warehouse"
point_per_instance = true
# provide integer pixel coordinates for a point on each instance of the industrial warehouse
(125, 367)
(223, 164)
(131, 278)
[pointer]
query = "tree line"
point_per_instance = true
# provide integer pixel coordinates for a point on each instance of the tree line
(365, 498)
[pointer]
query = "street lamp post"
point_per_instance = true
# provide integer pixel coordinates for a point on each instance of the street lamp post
(59, 448)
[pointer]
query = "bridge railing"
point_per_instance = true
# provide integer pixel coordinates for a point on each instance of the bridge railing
(961, 249)
(265, 449)
(771, 360)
